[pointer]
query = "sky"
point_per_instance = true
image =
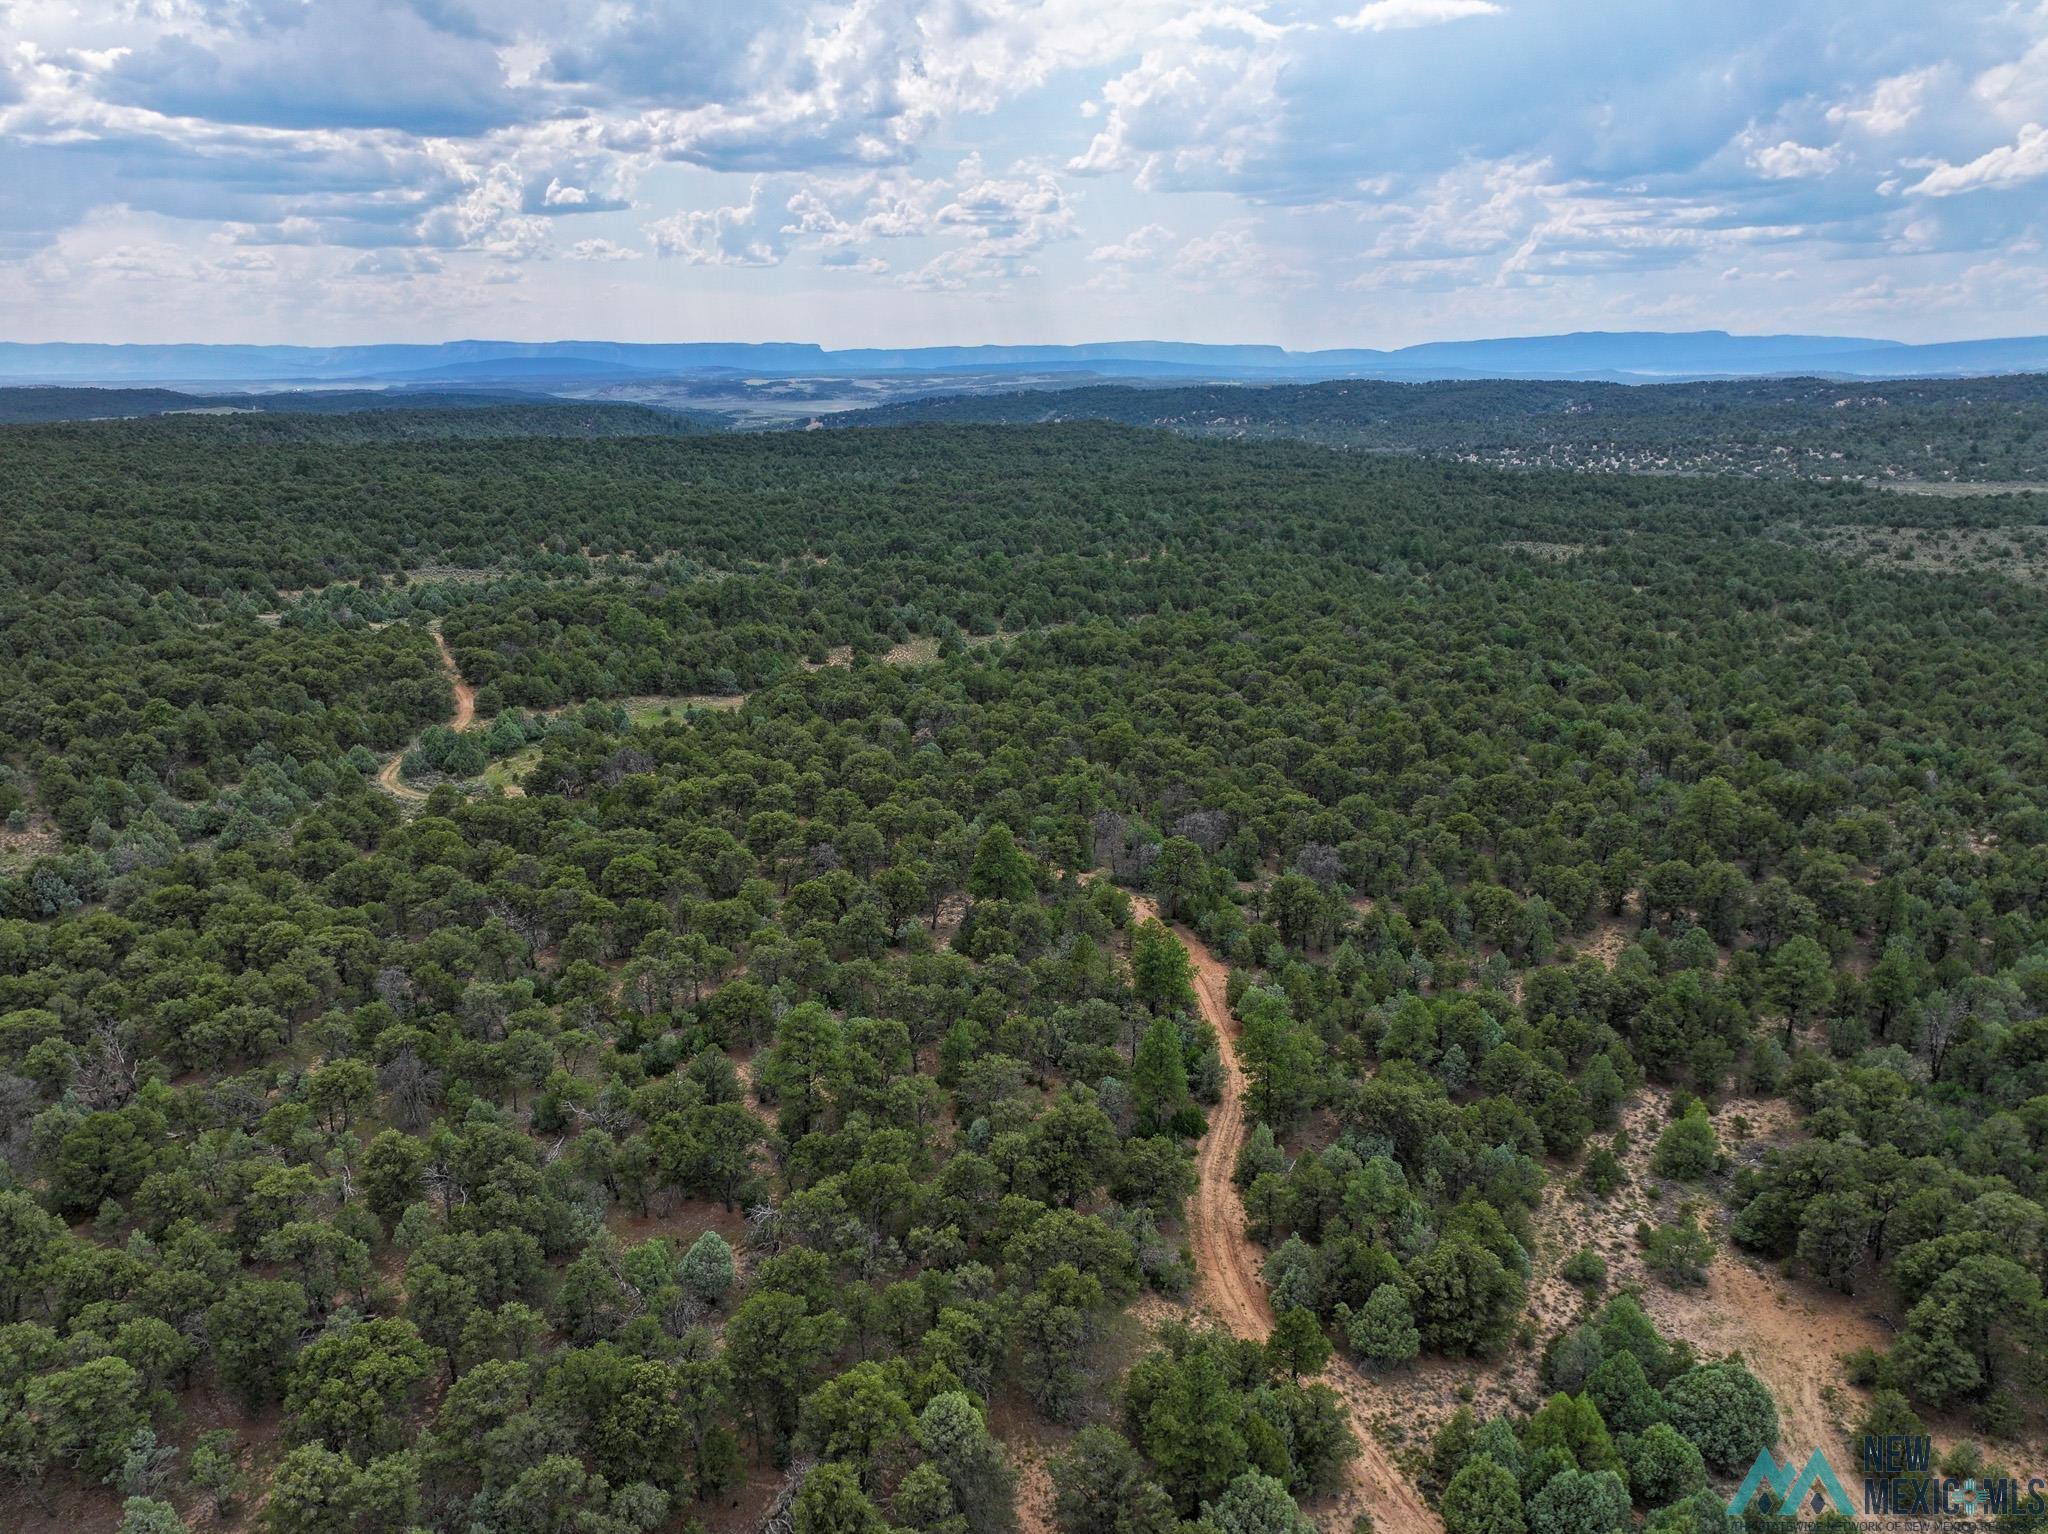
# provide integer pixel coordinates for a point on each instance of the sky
(924, 172)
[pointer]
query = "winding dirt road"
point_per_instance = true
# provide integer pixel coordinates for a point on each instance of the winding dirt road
(463, 717)
(465, 695)
(1228, 1282)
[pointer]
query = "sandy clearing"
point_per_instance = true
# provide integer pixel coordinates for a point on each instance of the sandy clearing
(1791, 1334)
(750, 1094)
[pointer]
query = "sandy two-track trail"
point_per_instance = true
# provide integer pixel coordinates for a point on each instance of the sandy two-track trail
(1228, 1283)
(463, 717)
(465, 695)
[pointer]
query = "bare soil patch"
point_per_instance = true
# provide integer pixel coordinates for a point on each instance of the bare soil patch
(1609, 938)
(38, 839)
(1558, 552)
(1791, 1334)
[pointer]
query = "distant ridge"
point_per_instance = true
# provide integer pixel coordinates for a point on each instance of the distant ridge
(1626, 356)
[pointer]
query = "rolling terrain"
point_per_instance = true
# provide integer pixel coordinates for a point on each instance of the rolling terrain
(537, 980)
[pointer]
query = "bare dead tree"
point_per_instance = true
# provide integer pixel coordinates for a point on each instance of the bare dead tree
(1320, 862)
(1207, 829)
(413, 1087)
(106, 1077)
(1106, 836)
(780, 1517)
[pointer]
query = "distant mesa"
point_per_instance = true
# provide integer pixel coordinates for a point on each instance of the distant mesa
(1619, 356)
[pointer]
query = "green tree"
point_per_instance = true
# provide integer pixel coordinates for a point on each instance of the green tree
(1580, 1502)
(860, 1417)
(1178, 877)
(317, 1491)
(1001, 871)
(252, 1329)
(1162, 975)
(1159, 1076)
(629, 1420)
(1100, 1486)
(340, 1090)
(85, 1414)
(1835, 1236)
(1255, 1503)
(708, 1268)
(1680, 1252)
(832, 1502)
(1298, 1343)
(147, 1515)
(1192, 1431)
(216, 1468)
(1620, 1388)
(351, 1386)
(775, 1344)
(1279, 1056)
(1571, 1423)
(1070, 1147)
(1466, 1300)
(1687, 1149)
(1663, 1466)
(954, 1438)
(1382, 1332)
(1483, 1498)
(1800, 981)
(1725, 1411)
(28, 1246)
(1958, 1333)
(924, 1502)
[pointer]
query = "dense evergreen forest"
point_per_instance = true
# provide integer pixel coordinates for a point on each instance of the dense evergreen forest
(1065, 978)
(1941, 430)
(355, 414)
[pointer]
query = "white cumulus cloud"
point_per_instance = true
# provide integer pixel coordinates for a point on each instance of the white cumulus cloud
(1792, 161)
(1397, 15)
(727, 236)
(2023, 160)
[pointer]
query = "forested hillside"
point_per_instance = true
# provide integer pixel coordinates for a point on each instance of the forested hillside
(1942, 430)
(353, 415)
(978, 978)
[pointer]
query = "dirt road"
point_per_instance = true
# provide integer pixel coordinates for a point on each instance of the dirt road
(463, 717)
(1228, 1283)
(465, 695)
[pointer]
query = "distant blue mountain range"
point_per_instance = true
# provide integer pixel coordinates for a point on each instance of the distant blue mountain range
(1629, 356)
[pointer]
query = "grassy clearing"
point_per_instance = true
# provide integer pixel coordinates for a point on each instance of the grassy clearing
(2019, 553)
(510, 771)
(647, 711)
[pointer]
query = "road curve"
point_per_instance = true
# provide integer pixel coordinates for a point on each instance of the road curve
(463, 717)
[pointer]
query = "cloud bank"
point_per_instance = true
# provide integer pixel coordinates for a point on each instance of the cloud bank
(944, 170)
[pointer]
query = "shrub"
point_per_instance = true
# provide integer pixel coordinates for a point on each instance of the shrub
(1726, 1412)
(1586, 1268)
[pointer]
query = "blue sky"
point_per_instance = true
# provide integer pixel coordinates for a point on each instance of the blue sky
(1373, 172)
